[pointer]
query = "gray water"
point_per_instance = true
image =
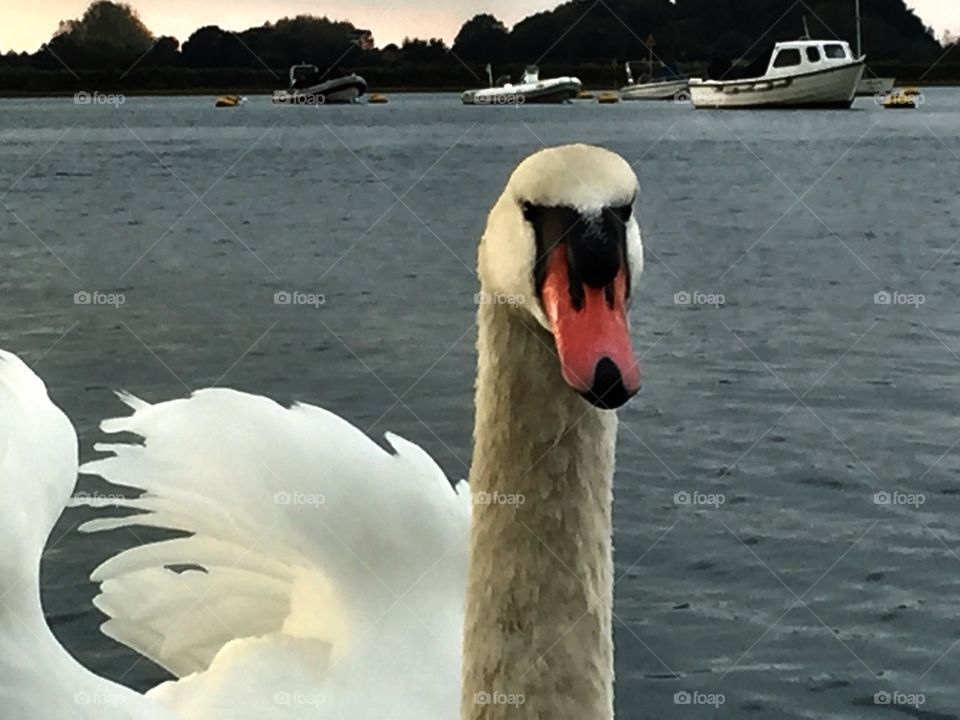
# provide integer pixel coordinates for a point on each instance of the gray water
(796, 400)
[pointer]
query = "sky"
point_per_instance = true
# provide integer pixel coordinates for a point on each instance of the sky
(26, 24)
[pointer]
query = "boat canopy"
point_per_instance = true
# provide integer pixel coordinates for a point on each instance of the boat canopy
(789, 58)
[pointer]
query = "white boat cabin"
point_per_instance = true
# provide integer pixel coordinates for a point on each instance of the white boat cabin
(801, 56)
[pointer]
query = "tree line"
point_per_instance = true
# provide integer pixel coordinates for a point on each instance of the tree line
(110, 45)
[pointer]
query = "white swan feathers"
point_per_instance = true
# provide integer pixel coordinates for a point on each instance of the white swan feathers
(38, 471)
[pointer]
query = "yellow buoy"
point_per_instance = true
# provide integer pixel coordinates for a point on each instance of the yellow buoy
(608, 98)
(903, 100)
(377, 99)
(229, 101)
(585, 95)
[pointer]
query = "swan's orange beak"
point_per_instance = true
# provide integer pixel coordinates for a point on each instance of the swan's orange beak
(590, 328)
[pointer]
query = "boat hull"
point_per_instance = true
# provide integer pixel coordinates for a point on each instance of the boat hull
(875, 86)
(339, 91)
(669, 90)
(555, 91)
(833, 87)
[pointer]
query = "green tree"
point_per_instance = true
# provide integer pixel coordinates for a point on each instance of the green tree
(108, 35)
(482, 38)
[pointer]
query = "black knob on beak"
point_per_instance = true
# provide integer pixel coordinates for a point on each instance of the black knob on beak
(608, 391)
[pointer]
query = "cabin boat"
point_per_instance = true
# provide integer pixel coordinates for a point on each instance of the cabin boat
(801, 74)
(531, 89)
(646, 87)
(307, 89)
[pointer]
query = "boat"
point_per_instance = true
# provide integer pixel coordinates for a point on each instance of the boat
(649, 87)
(531, 89)
(801, 74)
(875, 86)
(908, 99)
(230, 101)
(306, 89)
(871, 85)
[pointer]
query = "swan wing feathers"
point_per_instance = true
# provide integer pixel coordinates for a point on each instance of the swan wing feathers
(310, 551)
(39, 680)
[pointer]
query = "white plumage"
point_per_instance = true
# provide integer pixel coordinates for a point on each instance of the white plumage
(38, 471)
(313, 558)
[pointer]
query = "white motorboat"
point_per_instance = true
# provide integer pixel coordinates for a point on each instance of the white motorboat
(871, 85)
(801, 74)
(531, 89)
(646, 87)
(306, 88)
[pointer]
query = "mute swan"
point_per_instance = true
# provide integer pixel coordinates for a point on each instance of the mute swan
(38, 471)
(325, 577)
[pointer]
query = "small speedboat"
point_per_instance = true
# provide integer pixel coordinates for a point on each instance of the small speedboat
(306, 88)
(801, 74)
(531, 89)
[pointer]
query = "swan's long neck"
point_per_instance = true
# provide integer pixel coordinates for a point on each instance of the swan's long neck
(538, 637)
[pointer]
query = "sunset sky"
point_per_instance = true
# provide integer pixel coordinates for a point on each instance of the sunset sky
(25, 25)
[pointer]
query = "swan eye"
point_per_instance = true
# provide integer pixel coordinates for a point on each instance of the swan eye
(623, 212)
(529, 212)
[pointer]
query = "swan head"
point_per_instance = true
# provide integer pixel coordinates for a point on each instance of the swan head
(563, 243)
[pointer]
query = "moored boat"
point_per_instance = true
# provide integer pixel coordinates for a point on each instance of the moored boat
(307, 89)
(875, 86)
(647, 86)
(801, 74)
(870, 85)
(531, 89)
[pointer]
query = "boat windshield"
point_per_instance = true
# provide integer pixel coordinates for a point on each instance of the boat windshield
(835, 51)
(787, 57)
